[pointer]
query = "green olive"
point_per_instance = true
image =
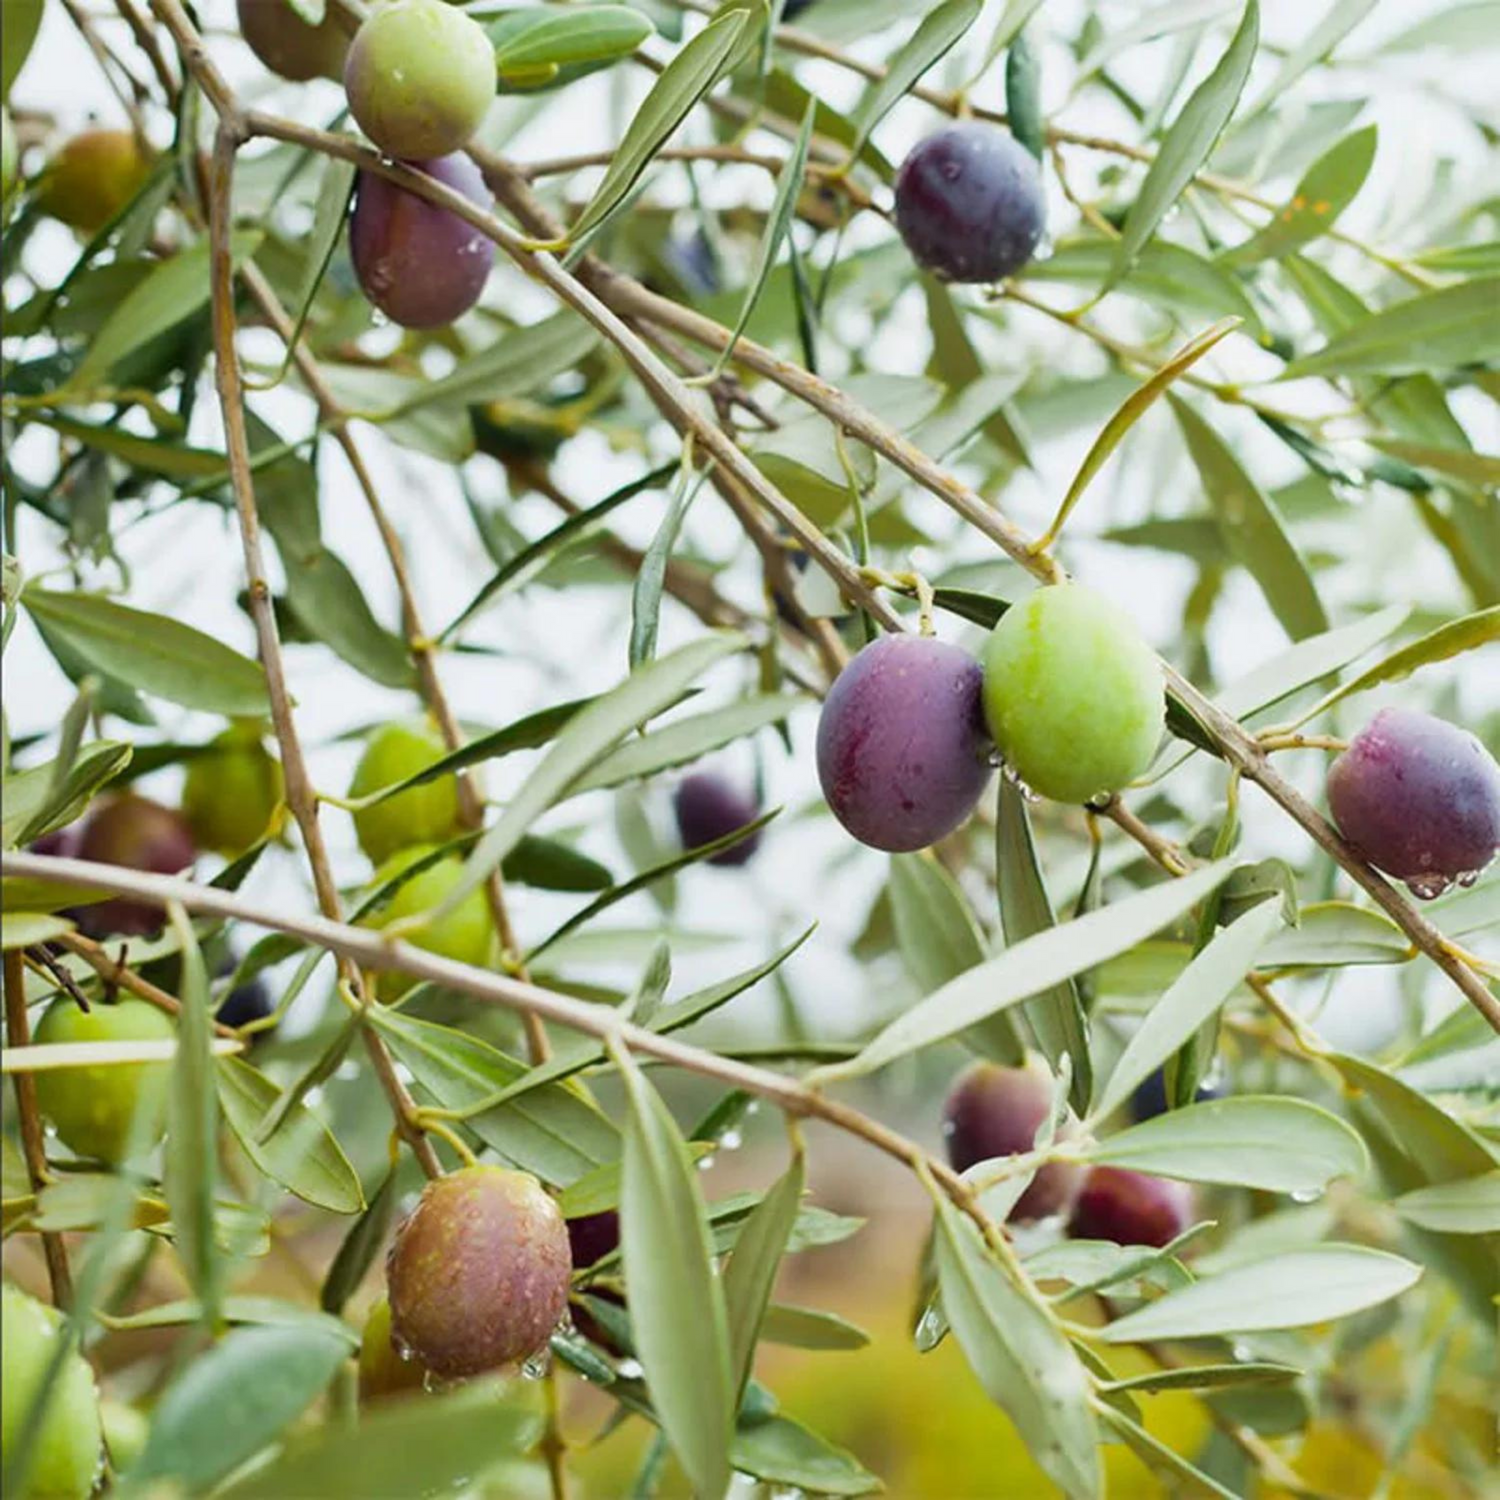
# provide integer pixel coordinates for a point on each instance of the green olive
(232, 794)
(464, 935)
(426, 814)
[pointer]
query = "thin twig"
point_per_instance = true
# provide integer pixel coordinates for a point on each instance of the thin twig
(33, 1141)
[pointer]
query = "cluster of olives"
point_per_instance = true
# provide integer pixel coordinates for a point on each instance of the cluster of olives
(231, 798)
(1068, 694)
(995, 1112)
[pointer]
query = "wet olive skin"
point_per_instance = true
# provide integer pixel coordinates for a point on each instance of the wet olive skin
(995, 1111)
(1130, 1208)
(478, 1274)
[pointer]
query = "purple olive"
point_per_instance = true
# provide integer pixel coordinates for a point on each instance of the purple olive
(1150, 1097)
(708, 806)
(1130, 1208)
(593, 1236)
(421, 265)
(969, 203)
(1419, 798)
(478, 1274)
(995, 1111)
(902, 750)
(138, 834)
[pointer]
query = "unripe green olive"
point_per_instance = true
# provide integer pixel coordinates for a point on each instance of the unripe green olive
(68, 1449)
(426, 814)
(94, 1109)
(126, 1429)
(232, 794)
(383, 1372)
(1074, 697)
(478, 1274)
(92, 178)
(464, 935)
(420, 77)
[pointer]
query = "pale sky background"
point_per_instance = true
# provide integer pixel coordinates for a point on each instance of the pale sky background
(187, 563)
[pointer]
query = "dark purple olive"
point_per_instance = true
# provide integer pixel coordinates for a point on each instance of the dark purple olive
(1150, 1097)
(1130, 1208)
(592, 1237)
(421, 265)
(1419, 798)
(969, 203)
(709, 806)
(995, 1111)
(138, 834)
(903, 754)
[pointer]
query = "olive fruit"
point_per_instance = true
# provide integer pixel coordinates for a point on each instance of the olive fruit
(420, 76)
(68, 1450)
(1130, 1208)
(1073, 695)
(709, 806)
(969, 203)
(593, 1236)
(464, 935)
(1419, 798)
(139, 834)
(92, 178)
(126, 1429)
(383, 1372)
(425, 814)
(478, 1274)
(94, 1109)
(421, 265)
(287, 45)
(902, 751)
(994, 1111)
(232, 793)
(1150, 1097)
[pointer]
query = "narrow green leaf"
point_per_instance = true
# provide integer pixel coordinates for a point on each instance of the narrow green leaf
(1167, 276)
(1481, 469)
(938, 33)
(1188, 142)
(935, 930)
(32, 808)
(1023, 95)
(156, 455)
(1020, 1357)
(1275, 1144)
(1036, 964)
(584, 741)
(651, 576)
(1130, 412)
(683, 82)
(1326, 189)
(1342, 17)
(1161, 1457)
(751, 1273)
(154, 653)
(1195, 995)
(1453, 639)
(358, 1249)
(301, 1154)
(331, 606)
(268, 1376)
(191, 1162)
(532, 43)
(1012, 20)
(1207, 1377)
(174, 290)
(400, 1448)
(778, 224)
(1293, 1290)
(516, 571)
(1056, 1011)
(685, 740)
(330, 212)
(677, 1309)
(810, 1328)
(23, 19)
(549, 1129)
(523, 361)
(1252, 528)
(1469, 1205)
(1438, 330)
